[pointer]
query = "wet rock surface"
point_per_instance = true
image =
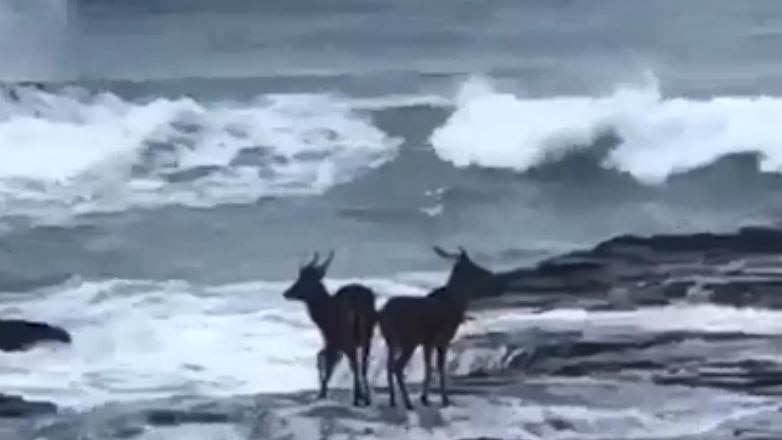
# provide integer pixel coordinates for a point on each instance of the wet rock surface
(17, 334)
(739, 269)
(484, 409)
(16, 407)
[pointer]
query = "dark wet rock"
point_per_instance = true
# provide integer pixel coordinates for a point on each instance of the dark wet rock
(17, 334)
(484, 409)
(260, 156)
(746, 375)
(163, 417)
(481, 438)
(599, 411)
(560, 424)
(739, 269)
(191, 174)
(722, 360)
(15, 407)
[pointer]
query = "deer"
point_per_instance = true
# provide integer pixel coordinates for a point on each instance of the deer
(431, 322)
(346, 322)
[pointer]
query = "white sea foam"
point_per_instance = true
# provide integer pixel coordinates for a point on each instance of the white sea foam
(659, 135)
(679, 317)
(83, 152)
(136, 340)
(141, 339)
(699, 318)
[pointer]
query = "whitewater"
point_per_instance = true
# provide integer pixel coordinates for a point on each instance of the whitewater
(106, 153)
(657, 136)
(139, 340)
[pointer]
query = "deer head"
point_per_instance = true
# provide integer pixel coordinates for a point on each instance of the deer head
(309, 284)
(468, 277)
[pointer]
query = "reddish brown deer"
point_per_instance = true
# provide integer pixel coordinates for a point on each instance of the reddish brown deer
(431, 322)
(346, 322)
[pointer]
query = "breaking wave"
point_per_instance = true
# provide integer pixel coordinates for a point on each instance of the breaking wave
(92, 152)
(73, 151)
(657, 136)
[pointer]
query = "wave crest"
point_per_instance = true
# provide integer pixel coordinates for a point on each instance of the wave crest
(657, 136)
(102, 152)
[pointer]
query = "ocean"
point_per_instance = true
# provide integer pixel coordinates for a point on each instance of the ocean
(182, 158)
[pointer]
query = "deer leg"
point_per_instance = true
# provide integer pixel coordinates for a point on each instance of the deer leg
(442, 353)
(321, 363)
(327, 360)
(427, 349)
(364, 370)
(399, 370)
(354, 368)
(320, 360)
(390, 357)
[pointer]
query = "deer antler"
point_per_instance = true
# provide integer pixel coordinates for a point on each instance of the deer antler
(325, 266)
(445, 254)
(314, 261)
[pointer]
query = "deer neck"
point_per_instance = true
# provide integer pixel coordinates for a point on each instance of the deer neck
(459, 304)
(320, 307)
(451, 299)
(459, 295)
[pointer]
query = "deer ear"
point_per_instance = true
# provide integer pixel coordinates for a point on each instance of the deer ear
(325, 266)
(445, 254)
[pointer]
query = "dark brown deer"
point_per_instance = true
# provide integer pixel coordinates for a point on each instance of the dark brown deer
(346, 322)
(431, 322)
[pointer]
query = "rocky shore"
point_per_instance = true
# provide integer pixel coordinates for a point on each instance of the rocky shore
(639, 337)
(738, 269)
